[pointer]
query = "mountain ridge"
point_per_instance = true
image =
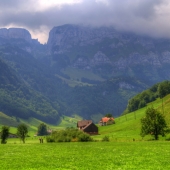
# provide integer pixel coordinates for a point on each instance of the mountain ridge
(124, 63)
(109, 51)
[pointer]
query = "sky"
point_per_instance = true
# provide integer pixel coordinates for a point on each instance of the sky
(148, 17)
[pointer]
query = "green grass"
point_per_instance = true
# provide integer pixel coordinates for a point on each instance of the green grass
(72, 82)
(68, 122)
(121, 153)
(4, 119)
(76, 73)
(86, 156)
(127, 127)
(33, 123)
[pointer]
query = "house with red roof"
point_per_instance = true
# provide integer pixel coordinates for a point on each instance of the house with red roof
(106, 121)
(87, 126)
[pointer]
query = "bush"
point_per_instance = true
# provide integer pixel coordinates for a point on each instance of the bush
(69, 135)
(63, 139)
(84, 137)
(105, 139)
(49, 139)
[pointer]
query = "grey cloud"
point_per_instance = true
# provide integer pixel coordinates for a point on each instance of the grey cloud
(146, 9)
(15, 4)
(10, 3)
(139, 16)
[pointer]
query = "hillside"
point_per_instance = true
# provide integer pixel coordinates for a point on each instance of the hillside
(127, 127)
(80, 71)
(41, 92)
(19, 100)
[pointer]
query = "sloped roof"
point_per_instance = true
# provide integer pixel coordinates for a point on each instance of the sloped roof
(106, 119)
(87, 125)
(83, 123)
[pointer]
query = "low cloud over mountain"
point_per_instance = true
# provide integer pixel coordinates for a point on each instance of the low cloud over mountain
(140, 16)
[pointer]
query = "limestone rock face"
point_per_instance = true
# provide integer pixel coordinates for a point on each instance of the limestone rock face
(100, 58)
(105, 50)
(138, 59)
(15, 33)
(82, 62)
(166, 57)
(20, 38)
(124, 85)
(63, 38)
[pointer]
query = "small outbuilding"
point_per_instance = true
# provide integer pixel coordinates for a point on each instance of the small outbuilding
(87, 126)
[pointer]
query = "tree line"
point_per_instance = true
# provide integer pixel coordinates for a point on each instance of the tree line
(158, 90)
(65, 135)
(22, 132)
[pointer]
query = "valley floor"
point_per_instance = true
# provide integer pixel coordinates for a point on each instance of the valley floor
(85, 156)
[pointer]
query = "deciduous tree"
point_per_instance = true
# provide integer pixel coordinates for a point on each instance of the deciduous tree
(153, 123)
(4, 134)
(108, 115)
(22, 131)
(42, 129)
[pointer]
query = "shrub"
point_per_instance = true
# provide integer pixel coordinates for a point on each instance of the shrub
(63, 139)
(105, 139)
(69, 135)
(84, 137)
(49, 139)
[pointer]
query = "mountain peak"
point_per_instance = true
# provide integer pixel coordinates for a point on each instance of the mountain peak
(16, 33)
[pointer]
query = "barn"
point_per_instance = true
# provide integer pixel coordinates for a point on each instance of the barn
(87, 126)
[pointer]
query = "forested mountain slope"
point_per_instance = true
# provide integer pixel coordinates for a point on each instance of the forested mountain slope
(140, 100)
(83, 71)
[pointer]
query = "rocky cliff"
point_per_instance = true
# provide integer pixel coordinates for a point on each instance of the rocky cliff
(17, 33)
(65, 37)
(104, 47)
(21, 38)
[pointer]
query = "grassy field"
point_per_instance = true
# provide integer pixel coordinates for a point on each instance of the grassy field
(126, 149)
(127, 127)
(86, 156)
(76, 75)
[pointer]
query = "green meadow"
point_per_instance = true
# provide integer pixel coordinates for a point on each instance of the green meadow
(127, 127)
(76, 75)
(125, 150)
(86, 156)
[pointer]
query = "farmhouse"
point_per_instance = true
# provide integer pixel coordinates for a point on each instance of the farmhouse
(87, 126)
(106, 121)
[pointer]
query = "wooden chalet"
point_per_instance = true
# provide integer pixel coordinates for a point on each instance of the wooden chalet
(87, 126)
(106, 121)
